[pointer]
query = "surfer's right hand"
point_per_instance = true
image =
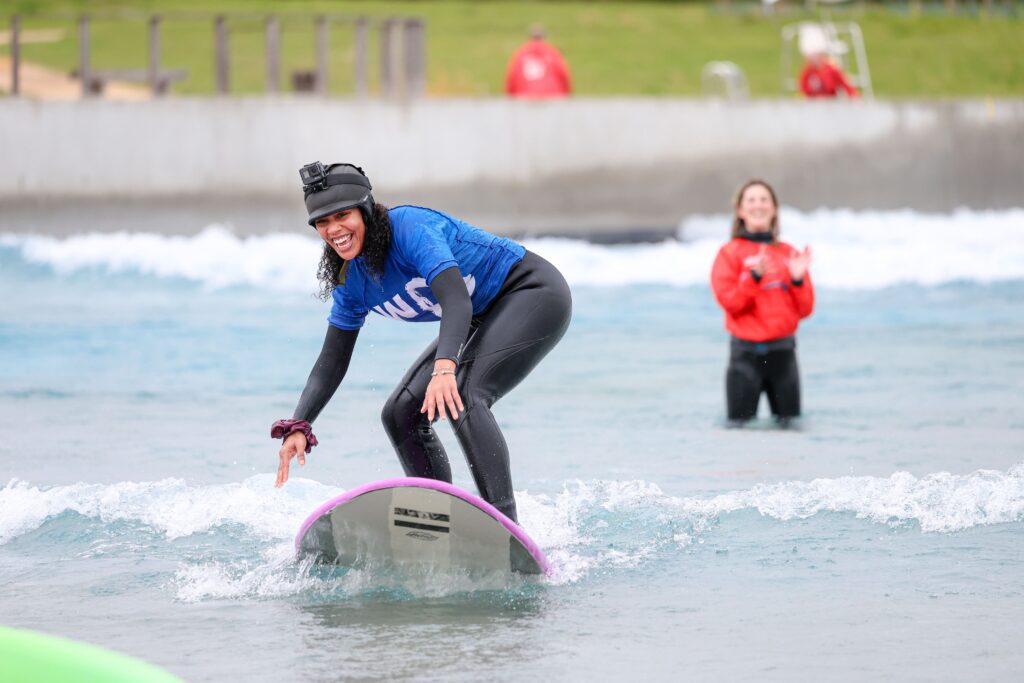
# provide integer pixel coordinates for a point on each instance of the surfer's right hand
(294, 445)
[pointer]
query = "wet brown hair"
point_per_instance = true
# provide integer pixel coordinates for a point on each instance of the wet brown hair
(737, 223)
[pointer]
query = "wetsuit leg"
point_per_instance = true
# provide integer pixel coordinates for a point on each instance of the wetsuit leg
(418, 447)
(744, 380)
(526, 320)
(782, 383)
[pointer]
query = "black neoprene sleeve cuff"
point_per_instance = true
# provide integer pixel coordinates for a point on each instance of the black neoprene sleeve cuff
(327, 373)
(456, 313)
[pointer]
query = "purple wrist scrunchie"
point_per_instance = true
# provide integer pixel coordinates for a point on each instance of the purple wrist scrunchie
(282, 428)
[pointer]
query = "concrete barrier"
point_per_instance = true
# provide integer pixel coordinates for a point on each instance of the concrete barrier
(578, 166)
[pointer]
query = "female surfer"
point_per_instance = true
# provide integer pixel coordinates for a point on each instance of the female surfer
(765, 288)
(504, 308)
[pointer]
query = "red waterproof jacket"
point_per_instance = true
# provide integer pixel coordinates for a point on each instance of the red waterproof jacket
(537, 70)
(825, 81)
(760, 311)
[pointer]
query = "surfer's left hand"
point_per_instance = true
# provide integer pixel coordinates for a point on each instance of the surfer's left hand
(442, 392)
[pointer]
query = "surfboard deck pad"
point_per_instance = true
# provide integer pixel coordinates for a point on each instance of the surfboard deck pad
(422, 523)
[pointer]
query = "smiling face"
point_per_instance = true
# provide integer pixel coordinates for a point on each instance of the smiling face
(345, 231)
(756, 208)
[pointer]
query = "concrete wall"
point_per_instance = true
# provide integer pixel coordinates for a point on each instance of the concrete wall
(582, 164)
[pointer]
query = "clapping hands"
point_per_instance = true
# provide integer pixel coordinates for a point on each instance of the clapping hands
(799, 263)
(759, 262)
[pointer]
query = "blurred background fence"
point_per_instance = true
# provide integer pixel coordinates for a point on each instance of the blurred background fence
(298, 52)
(375, 49)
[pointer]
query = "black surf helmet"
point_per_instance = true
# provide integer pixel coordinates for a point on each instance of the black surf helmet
(335, 187)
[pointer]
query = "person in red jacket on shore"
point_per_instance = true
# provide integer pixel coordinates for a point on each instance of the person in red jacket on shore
(537, 70)
(821, 77)
(764, 286)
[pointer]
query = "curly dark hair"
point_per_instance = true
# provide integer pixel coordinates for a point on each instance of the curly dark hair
(376, 244)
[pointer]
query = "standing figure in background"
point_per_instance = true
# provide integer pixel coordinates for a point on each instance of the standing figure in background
(765, 288)
(537, 70)
(821, 77)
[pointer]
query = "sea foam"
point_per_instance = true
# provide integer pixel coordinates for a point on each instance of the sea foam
(588, 525)
(852, 250)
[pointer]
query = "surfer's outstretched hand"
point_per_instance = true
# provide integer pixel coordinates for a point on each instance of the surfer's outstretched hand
(294, 445)
(443, 392)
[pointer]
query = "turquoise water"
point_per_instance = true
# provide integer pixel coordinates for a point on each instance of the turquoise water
(137, 508)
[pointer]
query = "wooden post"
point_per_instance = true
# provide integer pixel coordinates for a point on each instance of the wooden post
(386, 68)
(15, 54)
(154, 55)
(362, 57)
(392, 72)
(83, 53)
(221, 53)
(415, 61)
(398, 80)
(273, 41)
(951, 7)
(322, 53)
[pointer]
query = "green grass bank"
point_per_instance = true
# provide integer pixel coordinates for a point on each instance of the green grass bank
(614, 48)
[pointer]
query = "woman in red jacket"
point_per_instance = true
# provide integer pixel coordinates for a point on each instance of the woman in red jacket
(765, 288)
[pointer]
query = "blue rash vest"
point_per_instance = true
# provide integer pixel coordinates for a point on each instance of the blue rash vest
(424, 242)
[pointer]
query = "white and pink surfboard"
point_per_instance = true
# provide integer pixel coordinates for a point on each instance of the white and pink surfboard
(412, 522)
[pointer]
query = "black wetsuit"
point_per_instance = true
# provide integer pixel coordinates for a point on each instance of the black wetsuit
(762, 367)
(505, 342)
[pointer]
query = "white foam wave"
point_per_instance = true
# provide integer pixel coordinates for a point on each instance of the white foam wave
(268, 578)
(573, 533)
(940, 502)
(277, 576)
(852, 250)
(169, 506)
(572, 530)
(588, 526)
(874, 249)
(214, 257)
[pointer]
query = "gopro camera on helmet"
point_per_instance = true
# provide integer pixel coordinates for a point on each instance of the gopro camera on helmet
(312, 174)
(331, 188)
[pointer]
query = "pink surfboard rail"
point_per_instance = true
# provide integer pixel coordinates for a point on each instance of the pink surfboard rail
(442, 486)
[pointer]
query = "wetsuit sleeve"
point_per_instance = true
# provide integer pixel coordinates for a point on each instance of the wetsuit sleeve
(733, 285)
(327, 373)
(456, 312)
(803, 295)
